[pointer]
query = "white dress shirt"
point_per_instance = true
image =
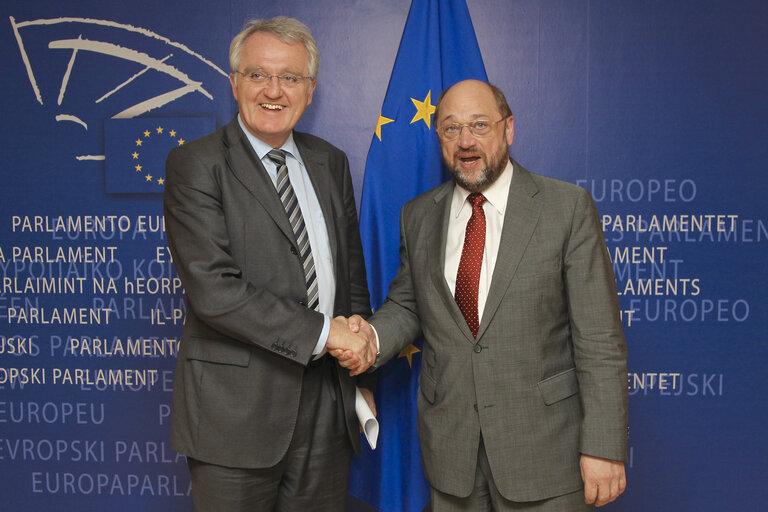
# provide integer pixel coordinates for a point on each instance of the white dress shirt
(494, 208)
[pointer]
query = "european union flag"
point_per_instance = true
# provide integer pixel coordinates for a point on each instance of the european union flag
(135, 150)
(438, 49)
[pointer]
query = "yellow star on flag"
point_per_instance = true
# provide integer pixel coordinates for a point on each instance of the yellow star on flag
(149, 177)
(424, 110)
(138, 168)
(161, 181)
(408, 352)
(181, 141)
(138, 142)
(172, 133)
(146, 133)
(159, 129)
(135, 155)
(381, 122)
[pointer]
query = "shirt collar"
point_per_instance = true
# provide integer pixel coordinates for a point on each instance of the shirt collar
(262, 148)
(496, 195)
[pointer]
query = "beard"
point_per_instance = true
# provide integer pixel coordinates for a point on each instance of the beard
(487, 176)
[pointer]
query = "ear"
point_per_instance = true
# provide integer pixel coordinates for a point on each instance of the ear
(232, 82)
(509, 129)
(311, 90)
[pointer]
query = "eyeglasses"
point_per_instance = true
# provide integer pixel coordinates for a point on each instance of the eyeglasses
(480, 128)
(284, 79)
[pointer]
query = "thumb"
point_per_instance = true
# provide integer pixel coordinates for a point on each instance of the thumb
(353, 323)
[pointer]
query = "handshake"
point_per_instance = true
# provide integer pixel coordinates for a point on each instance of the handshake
(353, 342)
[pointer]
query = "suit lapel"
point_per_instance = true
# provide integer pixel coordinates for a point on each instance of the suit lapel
(520, 219)
(439, 216)
(318, 168)
(248, 169)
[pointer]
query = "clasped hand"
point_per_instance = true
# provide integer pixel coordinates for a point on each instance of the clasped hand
(353, 342)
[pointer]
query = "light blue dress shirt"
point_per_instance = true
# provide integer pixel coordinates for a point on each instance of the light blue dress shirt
(313, 219)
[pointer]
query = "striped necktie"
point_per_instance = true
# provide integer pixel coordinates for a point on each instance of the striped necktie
(293, 210)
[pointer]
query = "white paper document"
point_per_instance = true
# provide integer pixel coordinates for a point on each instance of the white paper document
(367, 419)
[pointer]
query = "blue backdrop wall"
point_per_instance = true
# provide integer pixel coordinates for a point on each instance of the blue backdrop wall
(657, 108)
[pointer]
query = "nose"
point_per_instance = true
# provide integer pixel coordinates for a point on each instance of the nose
(466, 138)
(273, 89)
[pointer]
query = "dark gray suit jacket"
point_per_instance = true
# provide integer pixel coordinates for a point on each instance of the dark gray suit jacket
(546, 379)
(248, 333)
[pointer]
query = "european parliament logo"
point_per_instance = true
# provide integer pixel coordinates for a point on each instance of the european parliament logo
(135, 150)
(83, 71)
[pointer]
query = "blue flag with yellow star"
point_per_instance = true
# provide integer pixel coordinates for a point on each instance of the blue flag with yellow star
(135, 150)
(438, 49)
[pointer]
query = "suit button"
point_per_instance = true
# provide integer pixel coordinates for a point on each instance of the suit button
(475, 406)
(294, 251)
(477, 348)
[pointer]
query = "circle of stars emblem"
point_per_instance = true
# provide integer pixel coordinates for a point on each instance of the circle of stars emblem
(146, 138)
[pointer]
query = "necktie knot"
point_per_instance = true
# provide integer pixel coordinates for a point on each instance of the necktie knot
(277, 156)
(476, 199)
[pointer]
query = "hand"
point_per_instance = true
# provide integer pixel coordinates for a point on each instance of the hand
(356, 324)
(604, 479)
(368, 397)
(356, 351)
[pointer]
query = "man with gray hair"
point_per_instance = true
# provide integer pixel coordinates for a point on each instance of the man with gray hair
(263, 230)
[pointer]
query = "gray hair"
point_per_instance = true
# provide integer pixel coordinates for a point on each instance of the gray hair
(288, 30)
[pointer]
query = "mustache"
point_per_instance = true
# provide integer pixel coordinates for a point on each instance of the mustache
(469, 153)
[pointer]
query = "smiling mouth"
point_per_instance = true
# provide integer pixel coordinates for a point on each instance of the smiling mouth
(271, 106)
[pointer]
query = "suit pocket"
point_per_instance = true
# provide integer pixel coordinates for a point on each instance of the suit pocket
(559, 387)
(535, 268)
(218, 351)
(427, 387)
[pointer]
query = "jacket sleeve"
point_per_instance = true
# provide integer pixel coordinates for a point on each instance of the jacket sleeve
(600, 352)
(397, 320)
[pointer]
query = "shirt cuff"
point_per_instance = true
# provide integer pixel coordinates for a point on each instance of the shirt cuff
(378, 346)
(323, 339)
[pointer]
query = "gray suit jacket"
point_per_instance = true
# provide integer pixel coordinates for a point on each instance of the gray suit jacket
(546, 379)
(248, 333)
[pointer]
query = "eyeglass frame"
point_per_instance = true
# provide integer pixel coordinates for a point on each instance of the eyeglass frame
(268, 78)
(471, 127)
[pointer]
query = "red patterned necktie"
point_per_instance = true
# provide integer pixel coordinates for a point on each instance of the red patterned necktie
(468, 276)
